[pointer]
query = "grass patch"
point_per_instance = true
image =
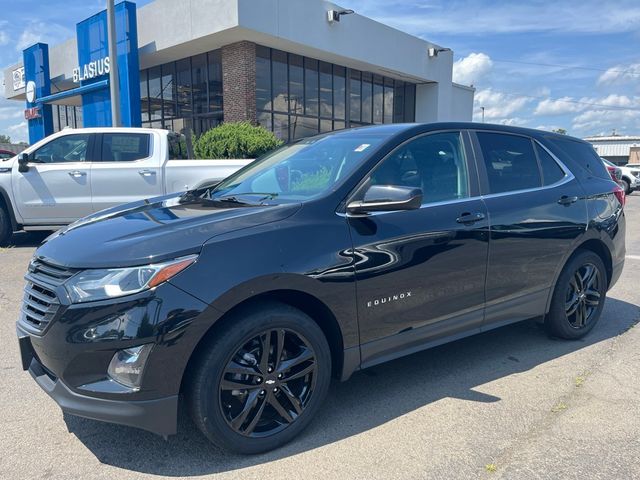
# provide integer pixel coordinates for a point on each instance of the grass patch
(491, 467)
(559, 407)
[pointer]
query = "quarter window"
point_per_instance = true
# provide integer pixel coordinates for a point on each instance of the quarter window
(70, 148)
(124, 147)
(434, 163)
(551, 171)
(510, 162)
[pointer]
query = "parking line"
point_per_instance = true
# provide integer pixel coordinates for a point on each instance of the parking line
(633, 257)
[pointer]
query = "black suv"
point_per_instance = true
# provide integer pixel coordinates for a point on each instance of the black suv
(324, 257)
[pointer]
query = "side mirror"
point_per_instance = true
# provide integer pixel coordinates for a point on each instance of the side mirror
(23, 162)
(387, 198)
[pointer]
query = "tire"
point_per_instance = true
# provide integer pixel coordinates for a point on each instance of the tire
(627, 186)
(578, 297)
(6, 231)
(271, 418)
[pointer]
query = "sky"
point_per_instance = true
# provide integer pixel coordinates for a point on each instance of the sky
(564, 64)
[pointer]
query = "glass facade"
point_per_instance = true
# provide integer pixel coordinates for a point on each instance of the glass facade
(298, 96)
(66, 116)
(185, 95)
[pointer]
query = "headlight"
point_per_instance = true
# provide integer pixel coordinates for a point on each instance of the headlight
(92, 285)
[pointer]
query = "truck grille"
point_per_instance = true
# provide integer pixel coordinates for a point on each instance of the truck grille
(40, 303)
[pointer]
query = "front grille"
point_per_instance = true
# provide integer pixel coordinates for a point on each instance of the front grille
(40, 302)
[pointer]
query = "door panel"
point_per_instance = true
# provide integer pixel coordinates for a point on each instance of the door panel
(128, 170)
(57, 187)
(421, 273)
(532, 230)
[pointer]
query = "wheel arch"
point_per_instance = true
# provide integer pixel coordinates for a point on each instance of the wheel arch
(594, 245)
(5, 202)
(315, 308)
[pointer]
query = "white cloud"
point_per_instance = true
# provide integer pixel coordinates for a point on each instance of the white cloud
(554, 107)
(18, 132)
(4, 38)
(39, 31)
(498, 106)
(594, 122)
(571, 16)
(621, 74)
(7, 113)
(472, 68)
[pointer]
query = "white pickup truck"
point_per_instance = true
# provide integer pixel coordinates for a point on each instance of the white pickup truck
(76, 172)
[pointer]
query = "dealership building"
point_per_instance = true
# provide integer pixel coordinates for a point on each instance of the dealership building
(295, 67)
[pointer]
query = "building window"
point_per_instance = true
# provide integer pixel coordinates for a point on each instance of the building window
(184, 96)
(299, 96)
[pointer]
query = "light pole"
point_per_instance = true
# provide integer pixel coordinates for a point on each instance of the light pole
(114, 83)
(482, 108)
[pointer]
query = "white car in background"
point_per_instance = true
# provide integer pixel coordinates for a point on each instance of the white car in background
(630, 180)
(76, 172)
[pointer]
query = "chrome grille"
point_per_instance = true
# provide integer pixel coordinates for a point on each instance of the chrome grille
(40, 302)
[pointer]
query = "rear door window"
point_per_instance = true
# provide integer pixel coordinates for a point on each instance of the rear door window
(125, 147)
(510, 162)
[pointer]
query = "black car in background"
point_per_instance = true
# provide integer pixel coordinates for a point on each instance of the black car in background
(330, 255)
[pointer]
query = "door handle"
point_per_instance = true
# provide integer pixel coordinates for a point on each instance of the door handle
(78, 174)
(469, 218)
(146, 173)
(565, 200)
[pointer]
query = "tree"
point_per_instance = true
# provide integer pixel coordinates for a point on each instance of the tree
(5, 139)
(560, 131)
(235, 140)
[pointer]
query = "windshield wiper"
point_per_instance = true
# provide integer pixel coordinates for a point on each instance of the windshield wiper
(234, 197)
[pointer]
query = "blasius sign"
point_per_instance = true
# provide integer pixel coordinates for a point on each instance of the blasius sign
(92, 70)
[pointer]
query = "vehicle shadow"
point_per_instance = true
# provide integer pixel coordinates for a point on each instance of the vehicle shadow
(28, 239)
(362, 403)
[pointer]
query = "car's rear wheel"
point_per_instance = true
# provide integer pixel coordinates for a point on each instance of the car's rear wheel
(627, 186)
(578, 297)
(5, 227)
(259, 381)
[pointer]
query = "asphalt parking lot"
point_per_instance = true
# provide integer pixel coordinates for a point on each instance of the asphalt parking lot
(510, 403)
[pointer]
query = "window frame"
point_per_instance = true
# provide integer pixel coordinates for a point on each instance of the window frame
(358, 192)
(99, 144)
(91, 140)
(482, 168)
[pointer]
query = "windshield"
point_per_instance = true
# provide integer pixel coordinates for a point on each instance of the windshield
(301, 171)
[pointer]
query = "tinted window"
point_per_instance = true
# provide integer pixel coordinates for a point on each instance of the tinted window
(124, 147)
(551, 171)
(435, 163)
(510, 161)
(70, 148)
(582, 153)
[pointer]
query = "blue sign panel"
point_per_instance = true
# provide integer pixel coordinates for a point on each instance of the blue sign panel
(37, 86)
(93, 57)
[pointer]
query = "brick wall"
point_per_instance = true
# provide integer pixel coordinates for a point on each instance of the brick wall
(239, 81)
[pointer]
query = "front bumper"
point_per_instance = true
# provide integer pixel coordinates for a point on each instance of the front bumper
(157, 416)
(69, 359)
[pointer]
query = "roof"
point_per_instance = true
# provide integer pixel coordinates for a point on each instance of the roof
(613, 138)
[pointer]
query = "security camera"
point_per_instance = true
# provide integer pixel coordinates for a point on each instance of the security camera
(334, 15)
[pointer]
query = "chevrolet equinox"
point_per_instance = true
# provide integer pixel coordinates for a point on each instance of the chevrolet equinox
(243, 299)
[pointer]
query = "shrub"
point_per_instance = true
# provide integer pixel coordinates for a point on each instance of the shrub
(235, 140)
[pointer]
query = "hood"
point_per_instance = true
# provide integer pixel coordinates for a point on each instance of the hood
(151, 231)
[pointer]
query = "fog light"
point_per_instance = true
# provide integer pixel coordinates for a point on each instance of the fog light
(127, 366)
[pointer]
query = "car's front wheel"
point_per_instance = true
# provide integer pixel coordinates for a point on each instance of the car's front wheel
(259, 381)
(578, 297)
(627, 186)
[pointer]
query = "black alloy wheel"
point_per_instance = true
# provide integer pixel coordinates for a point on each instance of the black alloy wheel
(583, 295)
(578, 297)
(268, 383)
(259, 378)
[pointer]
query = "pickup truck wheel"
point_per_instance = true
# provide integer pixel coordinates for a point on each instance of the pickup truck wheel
(578, 297)
(259, 381)
(5, 227)
(627, 186)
